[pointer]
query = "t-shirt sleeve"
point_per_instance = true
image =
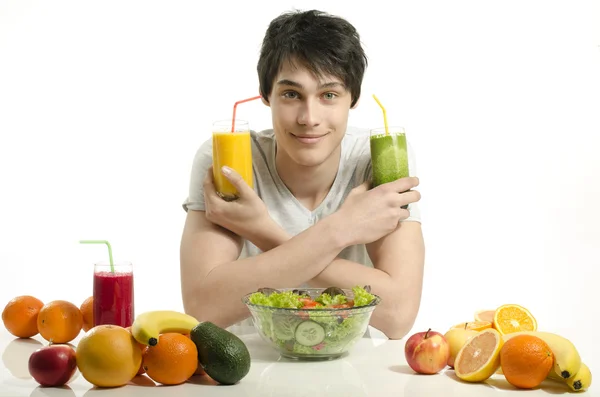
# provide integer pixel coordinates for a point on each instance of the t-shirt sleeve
(367, 173)
(201, 164)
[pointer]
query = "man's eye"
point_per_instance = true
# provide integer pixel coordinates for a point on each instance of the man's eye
(330, 95)
(290, 95)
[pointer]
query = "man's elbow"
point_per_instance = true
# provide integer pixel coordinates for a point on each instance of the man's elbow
(196, 304)
(396, 329)
(191, 307)
(398, 324)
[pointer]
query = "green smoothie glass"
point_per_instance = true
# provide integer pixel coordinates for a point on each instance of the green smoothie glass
(389, 155)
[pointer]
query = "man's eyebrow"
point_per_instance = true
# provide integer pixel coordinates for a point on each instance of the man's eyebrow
(290, 83)
(332, 84)
(298, 85)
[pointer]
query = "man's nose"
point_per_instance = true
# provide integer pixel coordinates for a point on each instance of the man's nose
(310, 113)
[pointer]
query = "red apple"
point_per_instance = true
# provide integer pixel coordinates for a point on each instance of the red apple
(53, 365)
(427, 352)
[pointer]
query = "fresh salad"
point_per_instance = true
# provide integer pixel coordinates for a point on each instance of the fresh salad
(313, 328)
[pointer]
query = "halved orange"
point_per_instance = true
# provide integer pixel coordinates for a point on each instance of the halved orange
(479, 358)
(513, 318)
(474, 325)
(484, 315)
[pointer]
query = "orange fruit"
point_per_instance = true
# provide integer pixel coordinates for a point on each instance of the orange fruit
(526, 361)
(479, 358)
(172, 361)
(59, 321)
(142, 349)
(474, 325)
(20, 316)
(513, 318)
(87, 311)
(200, 370)
(108, 356)
(484, 315)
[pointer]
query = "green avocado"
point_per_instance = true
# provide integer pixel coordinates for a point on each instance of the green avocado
(223, 355)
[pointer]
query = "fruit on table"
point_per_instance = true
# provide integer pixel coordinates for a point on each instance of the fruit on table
(566, 357)
(427, 352)
(479, 358)
(223, 355)
(147, 327)
(513, 318)
(59, 321)
(172, 361)
(20, 316)
(456, 338)
(581, 381)
(87, 312)
(474, 325)
(53, 365)
(108, 356)
(526, 361)
(484, 315)
(143, 349)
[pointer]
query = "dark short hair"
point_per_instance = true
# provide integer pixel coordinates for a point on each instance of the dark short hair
(323, 43)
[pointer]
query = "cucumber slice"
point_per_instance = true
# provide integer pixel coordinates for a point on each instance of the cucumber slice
(309, 333)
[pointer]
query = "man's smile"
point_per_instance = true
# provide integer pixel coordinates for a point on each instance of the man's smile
(309, 138)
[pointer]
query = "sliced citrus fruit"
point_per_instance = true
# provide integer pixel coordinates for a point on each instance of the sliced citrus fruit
(474, 325)
(484, 315)
(479, 358)
(513, 318)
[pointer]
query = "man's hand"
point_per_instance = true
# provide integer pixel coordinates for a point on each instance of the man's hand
(372, 214)
(244, 216)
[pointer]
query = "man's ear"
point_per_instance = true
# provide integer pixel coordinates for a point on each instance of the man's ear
(264, 100)
(356, 104)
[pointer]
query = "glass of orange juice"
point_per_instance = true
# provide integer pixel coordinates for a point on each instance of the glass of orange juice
(234, 150)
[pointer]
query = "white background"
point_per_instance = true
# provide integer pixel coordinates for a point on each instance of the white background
(103, 105)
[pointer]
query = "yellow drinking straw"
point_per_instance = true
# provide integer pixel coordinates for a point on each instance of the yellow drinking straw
(384, 115)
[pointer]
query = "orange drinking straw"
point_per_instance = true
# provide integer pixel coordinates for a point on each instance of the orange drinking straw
(235, 109)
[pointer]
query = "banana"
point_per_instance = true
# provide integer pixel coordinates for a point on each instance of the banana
(581, 381)
(567, 360)
(148, 326)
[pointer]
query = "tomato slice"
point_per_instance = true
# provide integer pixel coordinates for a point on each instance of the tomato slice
(308, 303)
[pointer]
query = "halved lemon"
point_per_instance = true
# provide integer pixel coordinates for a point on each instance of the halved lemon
(479, 358)
(514, 318)
(474, 325)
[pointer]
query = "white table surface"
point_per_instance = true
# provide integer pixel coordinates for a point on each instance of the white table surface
(374, 367)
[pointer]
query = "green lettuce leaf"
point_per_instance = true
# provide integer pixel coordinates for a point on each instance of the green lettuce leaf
(327, 299)
(285, 299)
(361, 296)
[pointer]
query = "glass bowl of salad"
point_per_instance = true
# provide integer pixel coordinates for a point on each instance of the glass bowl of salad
(312, 323)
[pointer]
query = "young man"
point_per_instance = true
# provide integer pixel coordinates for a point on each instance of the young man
(311, 219)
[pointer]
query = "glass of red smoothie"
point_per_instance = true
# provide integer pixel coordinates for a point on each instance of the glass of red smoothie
(113, 294)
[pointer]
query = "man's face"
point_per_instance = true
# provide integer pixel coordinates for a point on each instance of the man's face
(309, 115)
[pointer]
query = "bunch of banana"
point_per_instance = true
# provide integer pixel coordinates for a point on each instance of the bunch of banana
(568, 367)
(148, 326)
(578, 382)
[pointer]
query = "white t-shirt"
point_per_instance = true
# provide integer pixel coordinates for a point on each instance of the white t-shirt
(284, 208)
